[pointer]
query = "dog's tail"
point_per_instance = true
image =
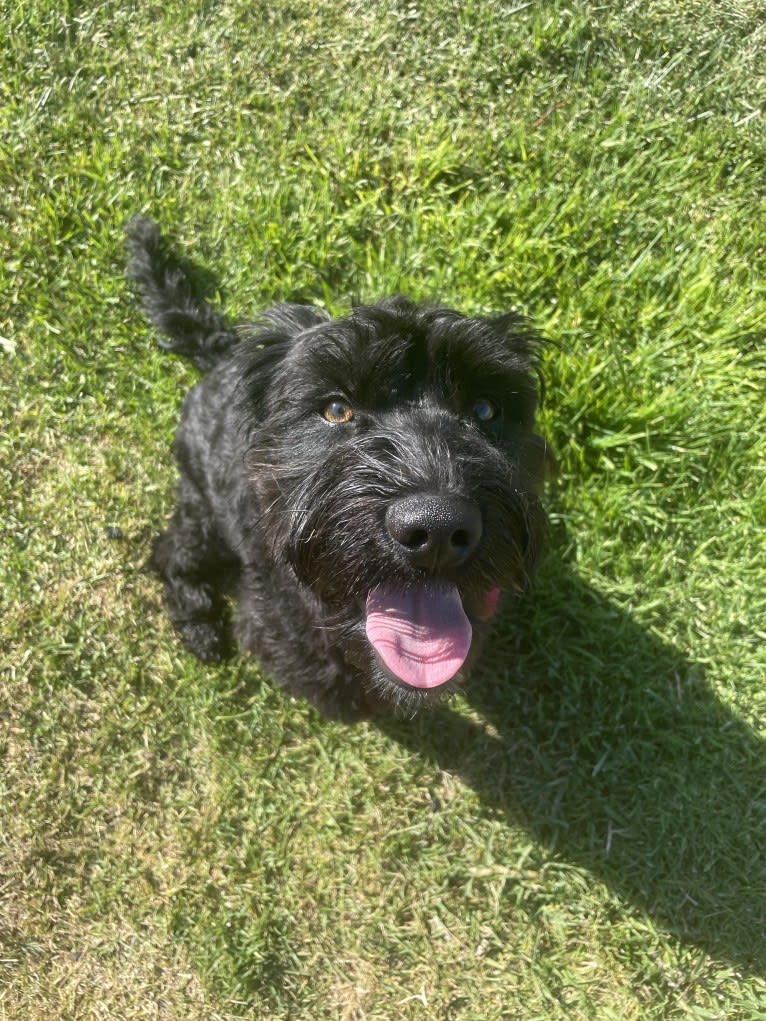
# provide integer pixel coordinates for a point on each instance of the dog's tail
(193, 328)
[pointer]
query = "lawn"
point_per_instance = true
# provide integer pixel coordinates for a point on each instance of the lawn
(583, 835)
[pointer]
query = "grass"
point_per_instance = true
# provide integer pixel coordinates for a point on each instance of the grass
(582, 836)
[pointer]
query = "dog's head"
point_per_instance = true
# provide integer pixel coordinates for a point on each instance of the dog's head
(397, 472)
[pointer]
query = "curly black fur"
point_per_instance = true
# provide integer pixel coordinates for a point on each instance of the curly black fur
(428, 472)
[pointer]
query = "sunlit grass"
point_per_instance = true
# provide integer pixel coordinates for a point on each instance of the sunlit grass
(583, 835)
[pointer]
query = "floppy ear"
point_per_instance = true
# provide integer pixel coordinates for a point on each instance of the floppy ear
(528, 344)
(259, 358)
(551, 464)
(264, 347)
(517, 333)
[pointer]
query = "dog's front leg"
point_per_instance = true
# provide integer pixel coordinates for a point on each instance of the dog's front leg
(194, 566)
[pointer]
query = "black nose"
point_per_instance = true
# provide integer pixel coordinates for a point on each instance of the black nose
(435, 531)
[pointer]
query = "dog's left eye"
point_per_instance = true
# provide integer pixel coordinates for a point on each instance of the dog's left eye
(338, 413)
(484, 411)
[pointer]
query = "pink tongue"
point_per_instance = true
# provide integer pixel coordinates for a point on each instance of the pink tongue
(422, 635)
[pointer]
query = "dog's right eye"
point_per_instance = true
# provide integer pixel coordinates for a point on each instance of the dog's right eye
(484, 411)
(338, 413)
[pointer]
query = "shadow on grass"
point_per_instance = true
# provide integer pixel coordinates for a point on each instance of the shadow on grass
(611, 748)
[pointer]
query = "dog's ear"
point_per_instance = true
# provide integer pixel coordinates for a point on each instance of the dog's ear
(264, 347)
(259, 358)
(551, 464)
(526, 344)
(291, 319)
(518, 334)
(536, 465)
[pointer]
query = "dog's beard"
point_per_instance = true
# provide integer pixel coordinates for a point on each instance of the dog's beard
(414, 634)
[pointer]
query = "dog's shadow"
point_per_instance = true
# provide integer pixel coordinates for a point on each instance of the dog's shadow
(613, 751)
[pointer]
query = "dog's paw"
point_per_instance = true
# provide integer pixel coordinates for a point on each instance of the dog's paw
(209, 641)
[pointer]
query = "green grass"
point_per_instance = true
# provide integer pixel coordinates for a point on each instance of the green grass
(584, 835)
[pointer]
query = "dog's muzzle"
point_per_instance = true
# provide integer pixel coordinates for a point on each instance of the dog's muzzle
(422, 633)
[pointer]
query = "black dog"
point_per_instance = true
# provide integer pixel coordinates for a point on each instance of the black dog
(365, 488)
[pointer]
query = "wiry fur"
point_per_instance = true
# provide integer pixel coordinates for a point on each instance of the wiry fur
(287, 512)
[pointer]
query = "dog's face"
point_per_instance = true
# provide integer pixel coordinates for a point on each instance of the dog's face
(398, 474)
